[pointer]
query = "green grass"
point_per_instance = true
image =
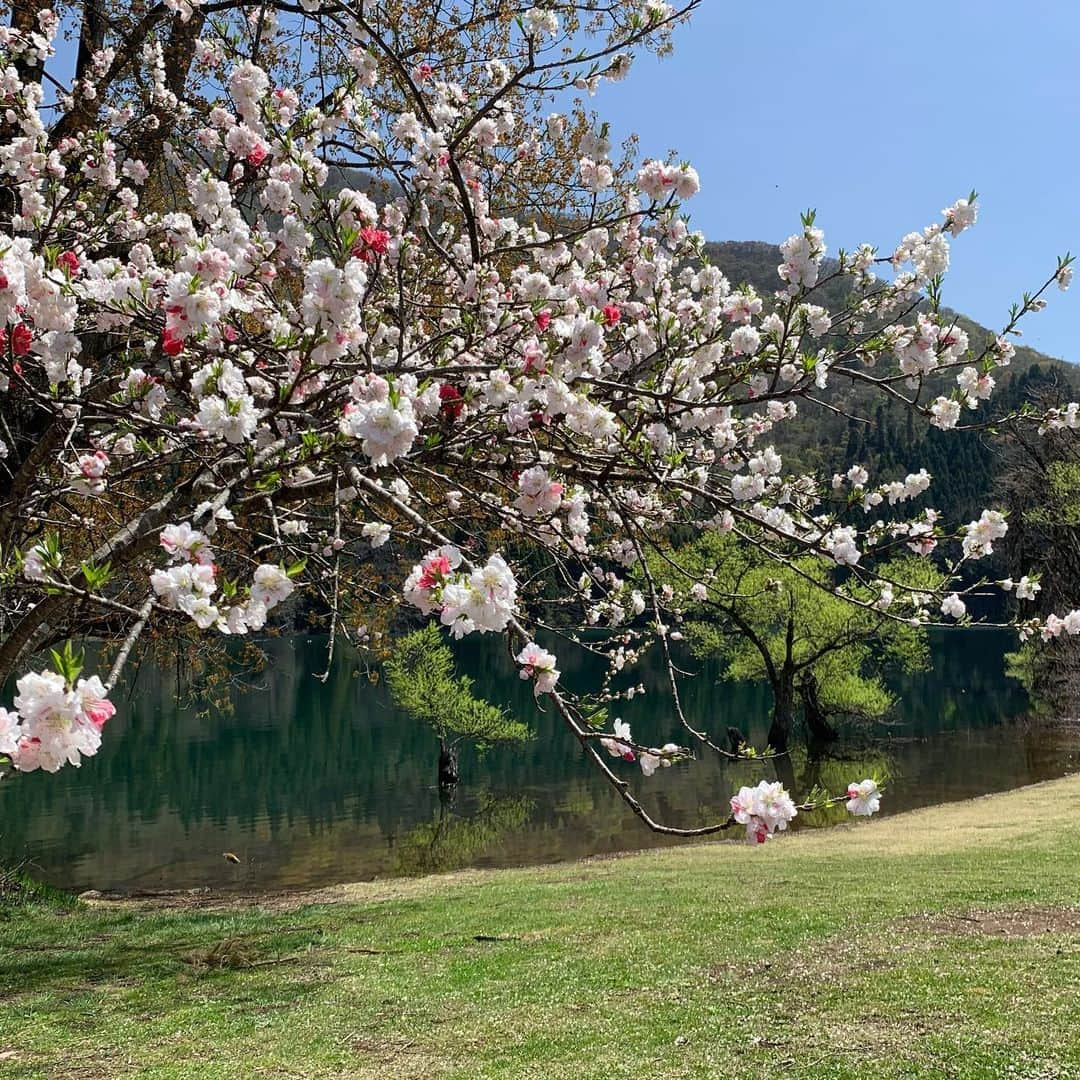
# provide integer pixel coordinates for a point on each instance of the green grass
(943, 943)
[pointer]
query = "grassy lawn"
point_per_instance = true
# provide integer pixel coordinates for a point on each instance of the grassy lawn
(941, 943)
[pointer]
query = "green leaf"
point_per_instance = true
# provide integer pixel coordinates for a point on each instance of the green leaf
(68, 663)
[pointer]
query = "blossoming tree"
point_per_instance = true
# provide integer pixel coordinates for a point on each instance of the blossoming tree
(282, 284)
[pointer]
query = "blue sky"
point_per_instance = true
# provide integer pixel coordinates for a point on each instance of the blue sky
(879, 115)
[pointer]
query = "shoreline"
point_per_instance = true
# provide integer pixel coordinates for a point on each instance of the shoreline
(207, 898)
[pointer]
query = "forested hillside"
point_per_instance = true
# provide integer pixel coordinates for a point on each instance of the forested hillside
(966, 466)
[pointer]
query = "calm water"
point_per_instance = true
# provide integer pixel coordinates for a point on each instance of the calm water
(311, 783)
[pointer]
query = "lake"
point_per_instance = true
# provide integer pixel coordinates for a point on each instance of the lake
(310, 783)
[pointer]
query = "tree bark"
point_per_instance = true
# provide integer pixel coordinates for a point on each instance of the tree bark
(448, 766)
(783, 708)
(817, 722)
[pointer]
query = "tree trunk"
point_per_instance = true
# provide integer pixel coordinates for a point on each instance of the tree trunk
(447, 803)
(783, 709)
(448, 766)
(817, 723)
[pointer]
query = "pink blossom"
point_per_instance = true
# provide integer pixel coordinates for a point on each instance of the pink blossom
(435, 568)
(93, 701)
(170, 344)
(372, 243)
(538, 663)
(93, 466)
(650, 761)
(864, 798)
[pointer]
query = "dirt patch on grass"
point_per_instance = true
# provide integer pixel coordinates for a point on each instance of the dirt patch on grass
(844, 955)
(381, 1057)
(1007, 923)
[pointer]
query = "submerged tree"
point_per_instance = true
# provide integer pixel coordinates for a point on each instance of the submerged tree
(284, 284)
(424, 683)
(785, 624)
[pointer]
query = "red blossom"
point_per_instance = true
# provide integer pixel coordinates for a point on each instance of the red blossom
(21, 337)
(543, 320)
(452, 402)
(612, 315)
(372, 242)
(171, 346)
(69, 261)
(434, 569)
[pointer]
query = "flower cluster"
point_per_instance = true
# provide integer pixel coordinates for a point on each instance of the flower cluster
(802, 254)
(189, 585)
(768, 808)
(539, 664)
(660, 181)
(383, 420)
(952, 605)
(88, 475)
(621, 745)
(539, 493)
(54, 723)
(1055, 625)
(1026, 588)
(979, 536)
(763, 809)
(482, 600)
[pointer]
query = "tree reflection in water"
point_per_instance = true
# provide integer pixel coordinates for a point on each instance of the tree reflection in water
(312, 783)
(452, 841)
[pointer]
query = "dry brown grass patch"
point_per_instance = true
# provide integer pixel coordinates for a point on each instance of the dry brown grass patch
(1008, 923)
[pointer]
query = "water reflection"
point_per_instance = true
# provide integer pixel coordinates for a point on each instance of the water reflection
(311, 783)
(457, 837)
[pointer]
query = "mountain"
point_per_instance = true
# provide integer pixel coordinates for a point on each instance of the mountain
(966, 466)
